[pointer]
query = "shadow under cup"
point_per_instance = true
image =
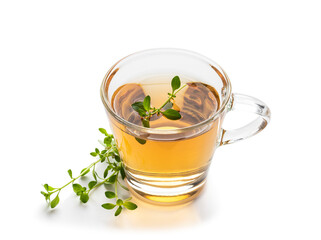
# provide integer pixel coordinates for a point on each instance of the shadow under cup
(175, 170)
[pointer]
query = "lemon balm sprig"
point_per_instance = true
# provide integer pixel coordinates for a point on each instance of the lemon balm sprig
(145, 110)
(113, 175)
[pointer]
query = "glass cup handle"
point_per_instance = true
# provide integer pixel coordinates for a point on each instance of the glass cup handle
(245, 103)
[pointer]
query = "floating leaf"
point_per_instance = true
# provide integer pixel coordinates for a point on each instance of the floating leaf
(139, 107)
(141, 141)
(145, 122)
(130, 205)
(176, 83)
(171, 114)
(146, 103)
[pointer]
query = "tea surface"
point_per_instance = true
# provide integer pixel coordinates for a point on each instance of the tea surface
(196, 102)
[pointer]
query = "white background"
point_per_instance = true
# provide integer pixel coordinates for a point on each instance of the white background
(53, 56)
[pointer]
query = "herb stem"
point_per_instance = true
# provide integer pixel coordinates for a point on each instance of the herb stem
(170, 98)
(74, 179)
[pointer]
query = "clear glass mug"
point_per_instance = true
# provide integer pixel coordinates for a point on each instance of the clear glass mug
(175, 171)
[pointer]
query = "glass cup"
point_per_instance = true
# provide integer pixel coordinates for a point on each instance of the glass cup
(175, 170)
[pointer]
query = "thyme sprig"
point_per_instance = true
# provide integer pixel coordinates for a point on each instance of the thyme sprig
(146, 111)
(112, 175)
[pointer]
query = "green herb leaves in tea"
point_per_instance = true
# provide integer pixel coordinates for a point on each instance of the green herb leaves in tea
(113, 174)
(145, 110)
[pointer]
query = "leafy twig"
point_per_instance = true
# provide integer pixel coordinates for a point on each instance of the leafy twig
(145, 110)
(114, 170)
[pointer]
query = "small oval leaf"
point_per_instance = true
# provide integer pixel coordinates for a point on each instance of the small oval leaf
(118, 211)
(70, 173)
(176, 83)
(110, 194)
(77, 187)
(130, 205)
(171, 114)
(108, 206)
(92, 184)
(103, 131)
(119, 202)
(146, 103)
(84, 171)
(84, 197)
(54, 202)
(94, 154)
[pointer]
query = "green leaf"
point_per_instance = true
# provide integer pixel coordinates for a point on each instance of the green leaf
(139, 107)
(47, 195)
(130, 205)
(48, 188)
(107, 140)
(141, 141)
(145, 122)
(176, 83)
(118, 211)
(108, 206)
(117, 158)
(93, 154)
(94, 176)
(119, 202)
(122, 172)
(110, 194)
(106, 172)
(70, 173)
(146, 103)
(92, 184)
(103, 131)
(103, 151)
(84, 171)
(97, 150)
(168, 105)
(84, 197)
(54, 202)
(77, 187)
(112, 179)
(171, 114)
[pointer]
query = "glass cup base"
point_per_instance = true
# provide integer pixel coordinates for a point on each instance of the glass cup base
(166, 190)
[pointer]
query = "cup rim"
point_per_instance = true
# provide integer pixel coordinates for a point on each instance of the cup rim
(142, 129)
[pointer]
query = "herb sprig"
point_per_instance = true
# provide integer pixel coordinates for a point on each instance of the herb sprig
(145, 110)
(113, 173)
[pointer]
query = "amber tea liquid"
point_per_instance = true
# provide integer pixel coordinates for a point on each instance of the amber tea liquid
(164, 163)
